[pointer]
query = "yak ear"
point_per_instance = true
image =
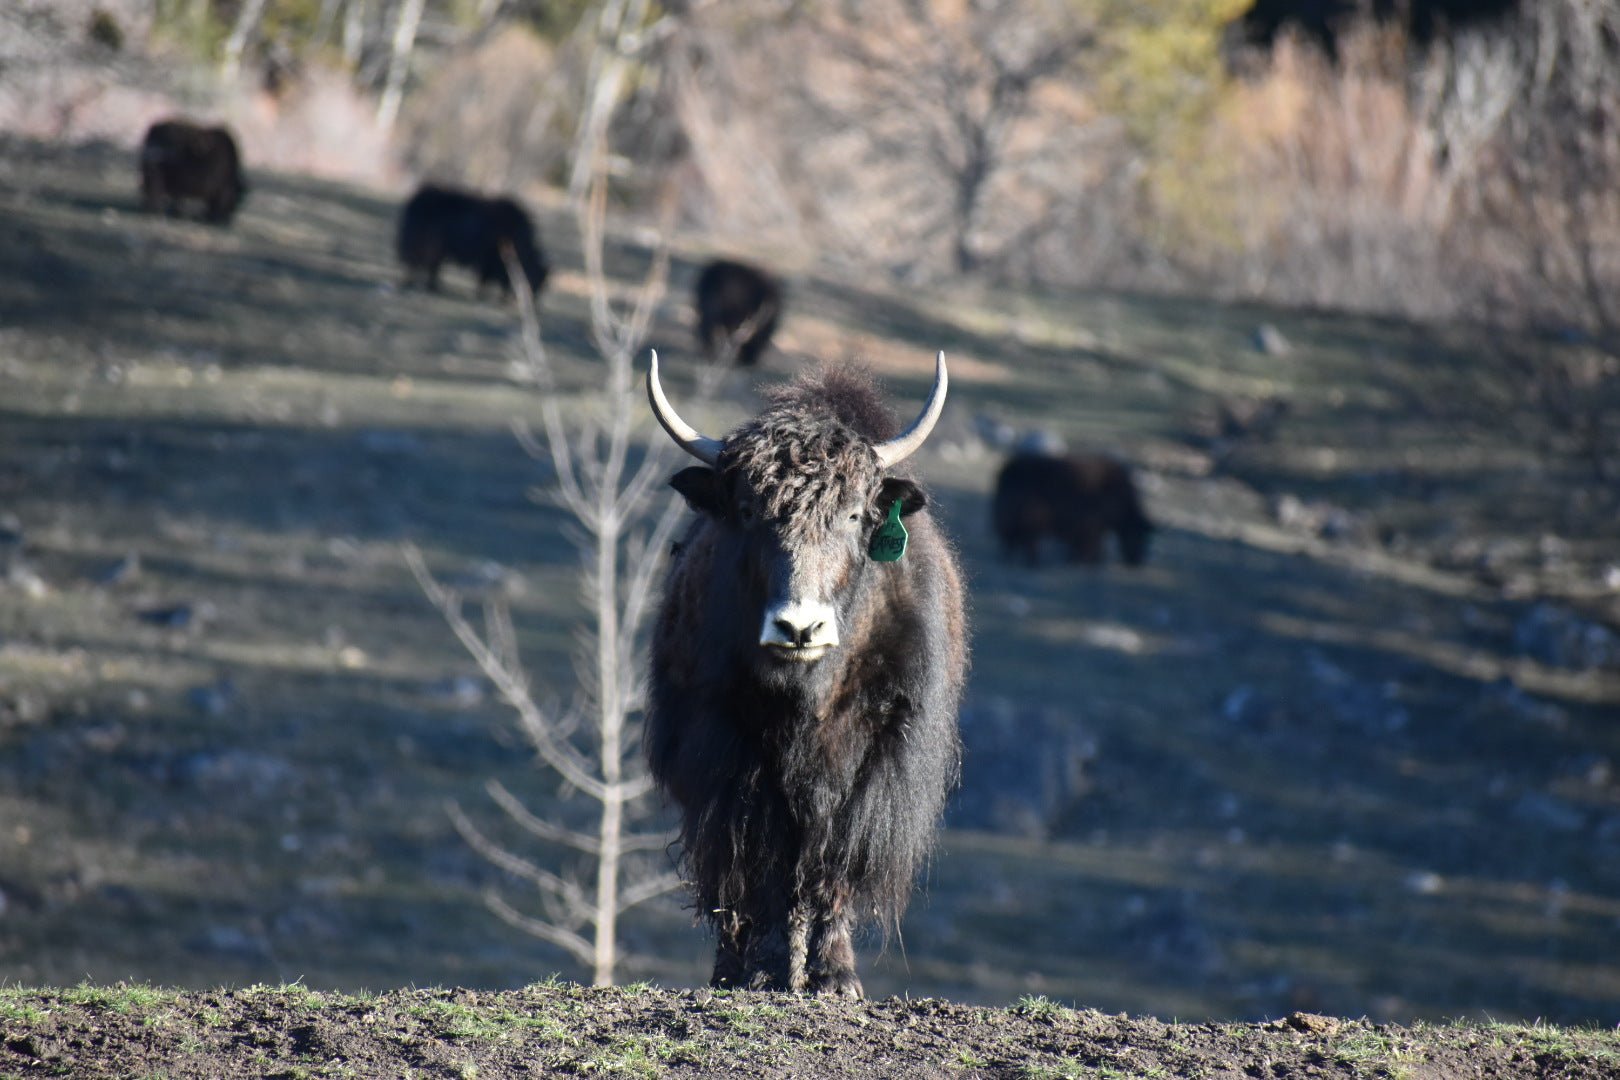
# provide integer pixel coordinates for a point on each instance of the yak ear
(911, 496)
(700, 487)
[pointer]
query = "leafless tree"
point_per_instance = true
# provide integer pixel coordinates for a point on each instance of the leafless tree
(624, 528)
(950, 87)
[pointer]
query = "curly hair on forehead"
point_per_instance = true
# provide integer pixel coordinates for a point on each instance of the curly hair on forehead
(809, 454)
(842, 389)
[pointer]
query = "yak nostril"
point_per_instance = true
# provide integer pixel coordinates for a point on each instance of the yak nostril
(804, 629)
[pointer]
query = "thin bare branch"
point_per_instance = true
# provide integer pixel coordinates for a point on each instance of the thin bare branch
(577, 946)
(659, 841)
(567, 891)
(647, 889)
(539, 826)
(510, 684)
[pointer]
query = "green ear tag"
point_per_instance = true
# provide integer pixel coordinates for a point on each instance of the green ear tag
(889, 542)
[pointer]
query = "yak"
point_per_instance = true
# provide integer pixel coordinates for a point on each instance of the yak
(183, 162)
(805, 675)
(1077, 499)
(738, 307)
(443, 224)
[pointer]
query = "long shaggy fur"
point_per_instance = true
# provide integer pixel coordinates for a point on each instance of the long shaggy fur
(809, 451)
(810, 794)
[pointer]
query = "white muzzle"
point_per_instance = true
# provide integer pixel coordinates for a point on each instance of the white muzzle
(802, 630)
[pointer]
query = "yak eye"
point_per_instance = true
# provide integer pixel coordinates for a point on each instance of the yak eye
(745, 513)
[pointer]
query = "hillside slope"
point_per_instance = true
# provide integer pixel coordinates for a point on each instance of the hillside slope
(1345, 744)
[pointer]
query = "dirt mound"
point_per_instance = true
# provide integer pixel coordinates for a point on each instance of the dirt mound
(560, 1029)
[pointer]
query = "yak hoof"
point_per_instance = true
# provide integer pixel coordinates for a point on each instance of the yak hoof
(837, 984)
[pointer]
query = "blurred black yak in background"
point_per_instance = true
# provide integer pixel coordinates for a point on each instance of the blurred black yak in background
(186, 162)
(1077, 499)
(738, 307)
(443, 224)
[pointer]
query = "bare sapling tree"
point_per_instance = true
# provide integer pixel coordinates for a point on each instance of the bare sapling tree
(622, 35)
(624, 527)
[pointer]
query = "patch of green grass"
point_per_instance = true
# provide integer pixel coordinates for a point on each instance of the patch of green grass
(20, 1011)
(642, 1056)
(1374, 1054)
(291, 995)
(1550, 1039)
(635, 989)
(969, 1060)
(451, 1020)
(631, 1057)
(548, 1028)
(1067, 1069)
(122, 998)
(1039, 1005)
(749, 1019)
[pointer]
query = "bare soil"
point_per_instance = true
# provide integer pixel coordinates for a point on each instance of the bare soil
(558, 1030)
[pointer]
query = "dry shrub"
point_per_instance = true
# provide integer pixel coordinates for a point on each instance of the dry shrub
(492, 116)
(1477, 178)
(1549, 209)
(1347, 201)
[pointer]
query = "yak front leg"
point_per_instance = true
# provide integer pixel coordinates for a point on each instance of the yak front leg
(730, 963)
(832, 951)
(753, 954)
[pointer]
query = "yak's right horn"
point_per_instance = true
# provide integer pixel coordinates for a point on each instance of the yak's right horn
(687, 437)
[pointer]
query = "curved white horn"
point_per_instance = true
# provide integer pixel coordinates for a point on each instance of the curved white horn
(906, 443)
(700, 446)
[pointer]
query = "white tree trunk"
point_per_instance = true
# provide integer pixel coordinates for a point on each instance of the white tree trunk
(354, 32)
(247, 21)
(618, 23)
(399, 63)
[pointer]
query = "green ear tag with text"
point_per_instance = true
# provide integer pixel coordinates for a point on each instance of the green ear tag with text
(889, 542)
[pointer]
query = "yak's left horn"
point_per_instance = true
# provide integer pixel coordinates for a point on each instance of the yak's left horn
(686, 436)
(906, 443)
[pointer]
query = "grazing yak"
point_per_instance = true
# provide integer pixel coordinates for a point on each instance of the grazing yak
(806, 671)
(738, 306)
(1076, 499)
(441, 224)
(185, 162)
